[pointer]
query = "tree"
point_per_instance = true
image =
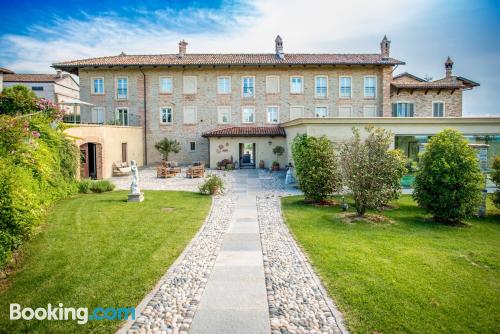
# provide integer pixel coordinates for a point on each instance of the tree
(18, 99)
(370, 170)
(167, 146)
(448, 180)
(278, 151)
(495, 177)
(316, 167)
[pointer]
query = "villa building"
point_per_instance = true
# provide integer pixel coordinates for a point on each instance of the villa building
(231, 106)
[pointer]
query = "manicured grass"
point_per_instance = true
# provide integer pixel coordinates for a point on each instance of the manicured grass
(413, 276)
(99, 250)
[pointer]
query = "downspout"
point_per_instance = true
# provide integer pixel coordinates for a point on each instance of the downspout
(145, 118)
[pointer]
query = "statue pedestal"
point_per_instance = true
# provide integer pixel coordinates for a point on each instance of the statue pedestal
(136, 197)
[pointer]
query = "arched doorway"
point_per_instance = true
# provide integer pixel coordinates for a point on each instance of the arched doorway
(91, 161)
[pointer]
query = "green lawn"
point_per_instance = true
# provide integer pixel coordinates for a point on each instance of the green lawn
(413, 276)
(99, 250)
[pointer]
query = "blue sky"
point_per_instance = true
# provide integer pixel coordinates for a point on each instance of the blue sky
(423, 33)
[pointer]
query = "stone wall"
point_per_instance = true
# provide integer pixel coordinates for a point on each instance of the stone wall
(423, 101)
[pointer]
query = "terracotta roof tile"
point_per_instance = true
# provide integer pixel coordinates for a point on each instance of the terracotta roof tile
(246, 131)
(230, 59)
(6, 71)
(31, 77)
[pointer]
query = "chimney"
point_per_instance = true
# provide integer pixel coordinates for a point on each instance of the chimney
(59, 73)
(385, 47)
(182, 48)
(448, 65)
(279, 47)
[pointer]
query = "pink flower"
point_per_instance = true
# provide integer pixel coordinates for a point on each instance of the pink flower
(35, 134)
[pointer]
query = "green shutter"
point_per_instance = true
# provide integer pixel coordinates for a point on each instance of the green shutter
(394, 110)
(411, 109)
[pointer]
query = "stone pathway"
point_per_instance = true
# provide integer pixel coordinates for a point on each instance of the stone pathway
(242, 273)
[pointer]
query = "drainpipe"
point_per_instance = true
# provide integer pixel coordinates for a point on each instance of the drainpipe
(145, 118)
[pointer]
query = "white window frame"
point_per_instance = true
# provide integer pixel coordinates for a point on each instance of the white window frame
(171, 112)
(243, 114)
(340, 87)
(195, 115)
(374, 77)
(229, 87)
(403, 102)
(315, 86)
(161, 85)
(220, 109)
(117, 115)
(432, 108)
(97, 114)
(301, 84)
(184, 84)
(296, 106)
(267, 85)
(92, 81)
(327, 111)
(195, 146)
(117, 79)
(371, 106)
(277, 116)
(345, 106)
(243, 86)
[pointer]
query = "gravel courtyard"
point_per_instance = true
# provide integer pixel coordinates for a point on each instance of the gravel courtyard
(242, 273)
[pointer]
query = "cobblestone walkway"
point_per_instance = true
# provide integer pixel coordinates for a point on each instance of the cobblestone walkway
(242, 273)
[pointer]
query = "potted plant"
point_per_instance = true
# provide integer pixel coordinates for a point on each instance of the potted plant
(167, 146)
(278, 150)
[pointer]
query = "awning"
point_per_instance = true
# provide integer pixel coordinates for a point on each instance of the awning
(73, 101)
(246, 131)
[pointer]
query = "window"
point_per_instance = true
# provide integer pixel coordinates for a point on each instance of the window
(370, 111)
(320, 112)
(321, 86)
(166, 85)
(189, 115)
(192, 146)
(124, 152)
(189, 83)
(345, 87)
(273, 114)
(224, 114)
(121, 116)
(296, 86)
(272, 84)
(402, 109)
(296, 112)
(97, 86)
(345, 111)
(438, 109)
(248, 114)
(248, 86)
(37, 88)
(223, 85)
(166, 115)
(122, 88)
(97, 115)
(370, 86)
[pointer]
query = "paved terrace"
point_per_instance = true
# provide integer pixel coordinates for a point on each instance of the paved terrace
(243, 271)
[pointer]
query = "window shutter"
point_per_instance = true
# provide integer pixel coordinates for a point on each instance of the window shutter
(189, 115)
(394, 110)
(411, 109)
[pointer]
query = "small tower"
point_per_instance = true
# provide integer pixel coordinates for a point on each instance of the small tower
(279, 47)
(182, 48)
(448, 65)
(385, 47)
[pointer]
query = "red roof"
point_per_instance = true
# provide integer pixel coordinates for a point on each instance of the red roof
(247, 131)
(6, 71)
(228, 59)
(32, 77)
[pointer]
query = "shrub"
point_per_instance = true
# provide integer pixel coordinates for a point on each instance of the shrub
(212, 185)
(278, 151)
(17, 99)
(167, 146)
(495, 177)
(371, 170)
(448, 180)
(316, 167)
(84, 186)
(102, 186)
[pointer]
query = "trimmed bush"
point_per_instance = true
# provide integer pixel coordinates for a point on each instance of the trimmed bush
(84, 186)
(448, 180)
(102, 186)
(316, 167)
(372, 171)
(495, 177)
(212, 185)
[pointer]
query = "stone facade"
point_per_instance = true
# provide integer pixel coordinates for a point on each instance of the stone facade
(423, 101)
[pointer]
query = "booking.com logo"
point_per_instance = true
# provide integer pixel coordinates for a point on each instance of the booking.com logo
(81, 314)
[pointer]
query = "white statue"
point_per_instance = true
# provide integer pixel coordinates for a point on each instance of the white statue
(135, 193)
(134, 186)
(289, 179)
